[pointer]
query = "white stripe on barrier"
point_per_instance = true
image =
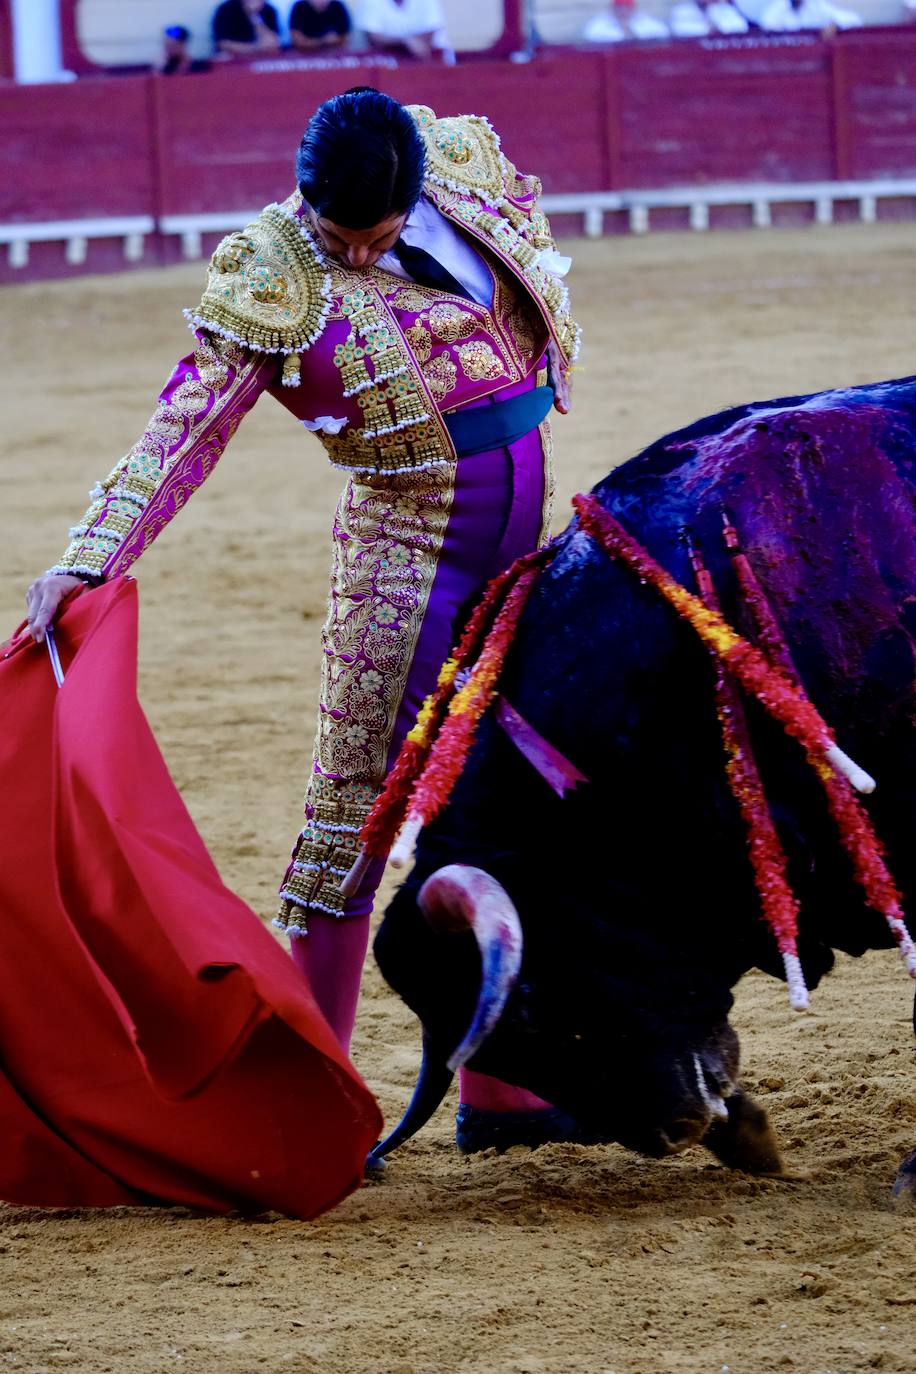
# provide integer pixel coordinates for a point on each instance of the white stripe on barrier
(593, 206)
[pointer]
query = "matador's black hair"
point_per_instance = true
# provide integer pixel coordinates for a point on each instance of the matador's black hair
(361, 159)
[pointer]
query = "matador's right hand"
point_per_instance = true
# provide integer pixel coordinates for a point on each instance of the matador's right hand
(44, 598)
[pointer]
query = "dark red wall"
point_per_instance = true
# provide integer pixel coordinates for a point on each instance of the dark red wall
(76, 151)
(780, 109)
(210, 159)
(876, 103)
(6, 41)
(739, 112)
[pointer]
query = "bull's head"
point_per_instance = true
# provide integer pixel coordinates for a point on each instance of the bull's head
(467, 980)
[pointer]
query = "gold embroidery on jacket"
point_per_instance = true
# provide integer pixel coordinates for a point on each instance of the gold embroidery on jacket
(413, 298)
(401, 428)
(192, 398)
(450, 323)
(479, 362)
(420, 341)
(550, 484)
(441, 377)
(522, 328)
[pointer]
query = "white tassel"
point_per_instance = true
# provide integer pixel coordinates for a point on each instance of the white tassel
(904, 942)
(795, 979)
(402, 852)
(842, 763)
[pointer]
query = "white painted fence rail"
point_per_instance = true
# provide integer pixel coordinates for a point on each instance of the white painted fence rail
(75, 234)
(759, 197)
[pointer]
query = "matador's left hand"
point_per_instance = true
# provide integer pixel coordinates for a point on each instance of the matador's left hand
(559, 375)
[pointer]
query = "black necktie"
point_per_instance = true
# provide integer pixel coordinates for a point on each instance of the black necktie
(426, 270)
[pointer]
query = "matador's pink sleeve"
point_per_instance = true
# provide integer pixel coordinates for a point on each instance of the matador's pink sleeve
(199, 410)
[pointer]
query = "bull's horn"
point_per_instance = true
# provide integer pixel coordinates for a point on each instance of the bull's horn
(460, 898)
(433, 1083)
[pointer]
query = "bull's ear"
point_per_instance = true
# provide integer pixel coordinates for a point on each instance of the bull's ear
(433, 1082)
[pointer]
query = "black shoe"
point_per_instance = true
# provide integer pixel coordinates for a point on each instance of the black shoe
(477, 1129)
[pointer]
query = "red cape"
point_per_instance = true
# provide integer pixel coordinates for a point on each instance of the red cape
(157, 1045)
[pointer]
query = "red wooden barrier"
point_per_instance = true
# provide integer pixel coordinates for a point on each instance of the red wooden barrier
(876, 97)
(742, 110)
(76, 151)
(7, 65)
(779, 109)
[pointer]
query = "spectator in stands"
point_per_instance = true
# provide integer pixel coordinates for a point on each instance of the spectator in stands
(623, 20)
(788, 16)
(176, 59)
(725, 17)
(752, 10)
(414, 27)
(696, 18)
(687, 19)
(318, 24)
(246, 28)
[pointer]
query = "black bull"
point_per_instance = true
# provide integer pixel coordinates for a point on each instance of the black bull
(635, 891)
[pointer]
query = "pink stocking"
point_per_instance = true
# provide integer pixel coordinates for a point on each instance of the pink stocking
(492, 1095)
(331, 959)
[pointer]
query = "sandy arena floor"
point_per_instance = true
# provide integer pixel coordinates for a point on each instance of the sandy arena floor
(569, 1259)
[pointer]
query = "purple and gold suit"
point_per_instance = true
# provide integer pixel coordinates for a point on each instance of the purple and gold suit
(418, 530)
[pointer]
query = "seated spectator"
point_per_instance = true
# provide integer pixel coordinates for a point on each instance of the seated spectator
(623, 20)
(604, 28)
(788, 16)
(752, 10)
(696, 18)
(725, 17)
(246, 28)
(414, 27)
(176, 59)
(318, 24)
(687, 19)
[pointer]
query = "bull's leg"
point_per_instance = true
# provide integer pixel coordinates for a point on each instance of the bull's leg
(746, 1140)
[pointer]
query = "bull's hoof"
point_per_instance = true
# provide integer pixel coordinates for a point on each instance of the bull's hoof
(904, 1189)
(746, 1140)
(477, 1129)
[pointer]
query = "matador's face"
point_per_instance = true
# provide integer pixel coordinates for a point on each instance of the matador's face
(358, 247)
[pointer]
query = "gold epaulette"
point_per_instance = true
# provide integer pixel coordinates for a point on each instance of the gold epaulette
(268, 288)
(471, 180)
(463, 154)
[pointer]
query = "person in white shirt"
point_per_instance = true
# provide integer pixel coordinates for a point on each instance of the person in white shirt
(752, 10)
(726, 17)
(604, 28)
(414, 27)
(696, 18)
(789, 16)
(688, 20)
(620, 21)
